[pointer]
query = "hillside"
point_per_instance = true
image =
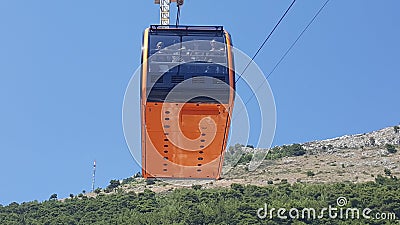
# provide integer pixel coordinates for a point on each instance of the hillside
(350, 158)
(359, 170)
(354, 158)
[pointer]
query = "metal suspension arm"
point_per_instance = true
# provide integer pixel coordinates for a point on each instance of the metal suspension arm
(165, 10)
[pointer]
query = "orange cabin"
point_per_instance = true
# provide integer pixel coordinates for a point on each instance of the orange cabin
(187, 95)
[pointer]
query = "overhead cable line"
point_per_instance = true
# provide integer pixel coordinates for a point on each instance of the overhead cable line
(266, 39)
(178, 13)
(297, 39)
(287, 51)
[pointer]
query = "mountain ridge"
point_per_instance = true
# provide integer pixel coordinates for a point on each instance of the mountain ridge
(349, 158)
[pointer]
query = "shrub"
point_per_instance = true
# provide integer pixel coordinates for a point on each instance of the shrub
(290, 150)
(128, 180)
(237, 187)
(196, 186)
(387, 172)
(310, 173)
(297, 150)
(113, 184)
(150, 181)
(245, 158)
(391, 148)
(372, 141)
(396, 129)
(53, 197)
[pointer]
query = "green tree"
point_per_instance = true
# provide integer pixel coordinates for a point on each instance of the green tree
(113, 184)
(396, 129)
(235, 205)
(53, 197)
(97, 190)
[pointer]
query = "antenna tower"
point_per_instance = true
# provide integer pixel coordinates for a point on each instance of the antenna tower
(94, 175)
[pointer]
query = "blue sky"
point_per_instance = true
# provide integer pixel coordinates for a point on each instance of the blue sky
(64, 67)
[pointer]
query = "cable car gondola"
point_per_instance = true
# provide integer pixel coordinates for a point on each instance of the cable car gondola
(187, 94)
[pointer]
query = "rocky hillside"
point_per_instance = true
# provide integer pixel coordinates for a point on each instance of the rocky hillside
(350, 158)
(379, 138)
(354, 158)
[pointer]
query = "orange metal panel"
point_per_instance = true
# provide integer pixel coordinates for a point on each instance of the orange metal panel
(189, 144)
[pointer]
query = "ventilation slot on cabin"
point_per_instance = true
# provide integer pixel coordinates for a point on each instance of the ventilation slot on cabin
(198, 80)
(177, 79)
(157, 79)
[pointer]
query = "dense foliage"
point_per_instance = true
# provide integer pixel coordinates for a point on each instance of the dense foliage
(286, 151)
(237, 155)
(196, 205)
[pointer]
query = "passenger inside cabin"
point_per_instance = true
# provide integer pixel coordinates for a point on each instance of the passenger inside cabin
(159, 45)
(216, 46)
